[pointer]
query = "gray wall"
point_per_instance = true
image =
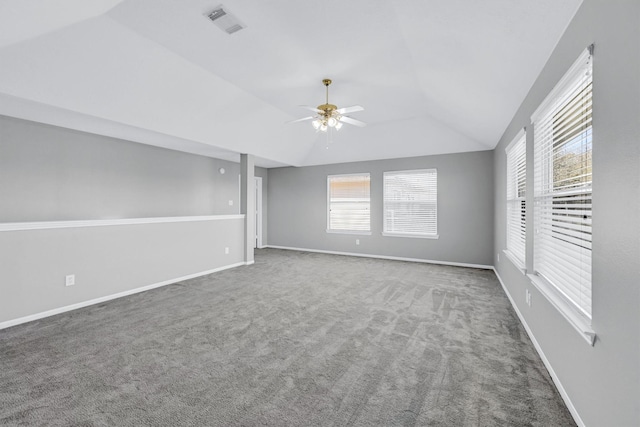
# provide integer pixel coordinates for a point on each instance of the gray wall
(107, 260)
(603, 381)
(298, 209)
(49, 173)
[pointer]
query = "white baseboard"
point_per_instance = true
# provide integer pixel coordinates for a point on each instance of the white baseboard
(394, 258)
(32, 317)
(554, 377)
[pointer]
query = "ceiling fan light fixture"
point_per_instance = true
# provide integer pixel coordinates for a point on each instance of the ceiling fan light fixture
(329, 115)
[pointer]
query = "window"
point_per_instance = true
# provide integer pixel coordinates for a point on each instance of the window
(411, 203)
(562, 190)
(348, 203)
(516, 204)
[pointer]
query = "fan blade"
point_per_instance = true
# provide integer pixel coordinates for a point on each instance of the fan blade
(310, 108)
(300, 120)
(347, 110)
(352, 121)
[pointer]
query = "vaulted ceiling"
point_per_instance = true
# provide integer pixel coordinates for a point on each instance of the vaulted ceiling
(436, 76)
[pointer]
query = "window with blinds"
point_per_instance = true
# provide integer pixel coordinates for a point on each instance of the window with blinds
(562, 186)
(516, 204)
(411, 203)
(348, 203)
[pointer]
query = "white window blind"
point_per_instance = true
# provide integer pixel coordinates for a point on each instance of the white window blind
(410, 203)
(562, 186)
(516, 204)
(348, 202)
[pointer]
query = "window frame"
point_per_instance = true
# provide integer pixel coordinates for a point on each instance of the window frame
(328, 208)
(385, 232)
(545, 192)
(515, 152)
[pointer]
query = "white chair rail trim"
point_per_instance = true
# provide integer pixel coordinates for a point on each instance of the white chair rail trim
(42, 225)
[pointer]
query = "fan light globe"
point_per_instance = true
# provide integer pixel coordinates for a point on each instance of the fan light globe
(315, 124)
(323, 128)
(332, 122)
(338, 125)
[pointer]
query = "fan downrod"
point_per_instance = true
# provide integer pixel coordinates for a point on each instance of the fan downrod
(327, 108)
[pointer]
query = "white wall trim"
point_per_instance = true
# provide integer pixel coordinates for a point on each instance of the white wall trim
(515, 261)
(258, 228)
(41, 225)
(394, 258)
(32, 317)
(554, 377)
(576, 319)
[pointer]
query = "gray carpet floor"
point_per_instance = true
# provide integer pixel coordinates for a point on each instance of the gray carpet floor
(297, 339)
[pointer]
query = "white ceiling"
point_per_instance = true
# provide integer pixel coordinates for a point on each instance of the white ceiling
(437, 76)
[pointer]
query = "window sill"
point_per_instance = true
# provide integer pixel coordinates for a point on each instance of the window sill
(361, 233)
(576, 319)
(412, 236)
(519, 265)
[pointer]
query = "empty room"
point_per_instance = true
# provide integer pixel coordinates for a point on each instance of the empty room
(335, 213)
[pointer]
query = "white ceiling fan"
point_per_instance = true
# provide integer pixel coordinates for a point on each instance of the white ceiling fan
(329, 115)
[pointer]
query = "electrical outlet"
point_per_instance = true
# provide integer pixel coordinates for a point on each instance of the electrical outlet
(527, 297)
(498, 257)
(357, 241)
(226, 251)
(70, 280)
(230, 202)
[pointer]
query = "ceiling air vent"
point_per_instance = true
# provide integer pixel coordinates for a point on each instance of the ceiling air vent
(225, 20)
